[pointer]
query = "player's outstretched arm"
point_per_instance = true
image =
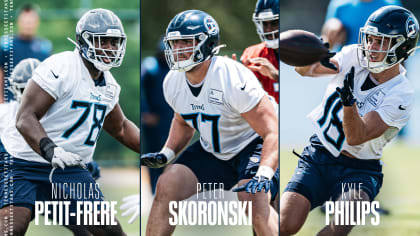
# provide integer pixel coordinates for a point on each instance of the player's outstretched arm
(263, 119)
(317, 69)
(35, 103)
(180, 135)
(122, 129)
(358, 129)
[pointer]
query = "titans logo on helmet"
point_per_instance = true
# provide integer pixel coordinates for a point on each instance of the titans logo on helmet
(411, 26)
(211, 25)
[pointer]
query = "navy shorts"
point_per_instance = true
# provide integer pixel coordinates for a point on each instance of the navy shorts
(209, 169)
(24, 182)
(320, 176)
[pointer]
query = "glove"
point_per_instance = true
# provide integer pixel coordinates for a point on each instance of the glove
(256, 184)
(61, 159)
(154, 160)
(131, 205)
(326, 61)
(346, 92)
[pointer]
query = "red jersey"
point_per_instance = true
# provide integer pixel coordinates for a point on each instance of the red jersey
(260, 50)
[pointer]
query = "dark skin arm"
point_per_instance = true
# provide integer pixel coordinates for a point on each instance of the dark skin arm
(122, 129)
(35, 103)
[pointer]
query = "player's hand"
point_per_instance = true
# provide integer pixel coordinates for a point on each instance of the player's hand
(263, 66)
(62, 159)
(234, 57)
(153, 160)
(131, 205)
(256, 184)
(346, 92)
(326, 61)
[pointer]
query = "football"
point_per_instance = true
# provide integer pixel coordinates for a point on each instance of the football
(301, 48)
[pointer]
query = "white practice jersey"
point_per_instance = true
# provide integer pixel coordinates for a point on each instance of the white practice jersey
(75, 119)
(392, 100)
(228, 90)
(7, 114)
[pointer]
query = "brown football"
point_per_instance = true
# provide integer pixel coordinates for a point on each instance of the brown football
(301, 48)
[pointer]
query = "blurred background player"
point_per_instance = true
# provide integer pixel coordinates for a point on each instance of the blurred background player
(232, 128)
(20, 76)
(156, 114)
(263, 58)
(351, 128)
(156, 117)
(65, 89)
(25, 44)
(345, 18)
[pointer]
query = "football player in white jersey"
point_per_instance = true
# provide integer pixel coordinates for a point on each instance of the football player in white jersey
(236, 119)
(18, 80)
(70, 97)
(366, 103)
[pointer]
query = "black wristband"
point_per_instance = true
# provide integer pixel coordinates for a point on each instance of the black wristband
(46, 145)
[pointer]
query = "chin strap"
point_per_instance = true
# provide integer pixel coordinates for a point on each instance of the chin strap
(75, 44)
(216, 49)
(412, 50)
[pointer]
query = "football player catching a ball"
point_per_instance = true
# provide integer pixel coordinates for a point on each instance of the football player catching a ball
(366, 103)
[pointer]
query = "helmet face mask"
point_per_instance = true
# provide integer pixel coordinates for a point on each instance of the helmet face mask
(95, 30)
(272, 37)
(267, 13)
(177, 57)
(387, 46)
(391, 32)
(191, 38)
(104, 58)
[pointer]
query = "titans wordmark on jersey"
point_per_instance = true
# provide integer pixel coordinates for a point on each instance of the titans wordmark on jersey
(75, 119)
(392, 100)
(228, 90)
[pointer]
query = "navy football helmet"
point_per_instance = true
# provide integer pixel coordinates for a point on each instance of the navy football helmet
(267, 11)
(21, 75)
(91, 29)
(193, 26)
(398, 30)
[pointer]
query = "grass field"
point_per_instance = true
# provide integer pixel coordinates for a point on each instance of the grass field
(400, 193)
(115, 184)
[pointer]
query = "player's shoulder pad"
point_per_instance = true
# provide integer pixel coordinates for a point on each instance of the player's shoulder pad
(345, 57)
(57, 65)
(405, 87)
(235, 72)
(170, 80)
